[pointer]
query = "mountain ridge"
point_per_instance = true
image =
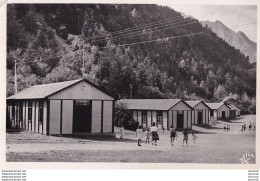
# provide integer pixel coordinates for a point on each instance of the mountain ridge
(238, 40)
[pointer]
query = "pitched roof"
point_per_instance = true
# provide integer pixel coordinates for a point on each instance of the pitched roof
(214, 105)
(150, 104)
(195, 103)
(45, 90)
(233, 107)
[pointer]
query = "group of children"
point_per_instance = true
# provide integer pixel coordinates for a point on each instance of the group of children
(251, 126)
(153, 133)
(226, 127)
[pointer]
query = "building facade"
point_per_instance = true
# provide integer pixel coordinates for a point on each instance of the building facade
(200, 113)
(164, 112)
(69, 107)
(218, 111)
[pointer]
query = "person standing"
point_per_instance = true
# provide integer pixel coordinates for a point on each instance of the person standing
(121, 132)
(224, 127)
(172, 134)
(139, 135)
(155, 136)
(250, 126)
(147, 134)
(185, 136)
(244, 127)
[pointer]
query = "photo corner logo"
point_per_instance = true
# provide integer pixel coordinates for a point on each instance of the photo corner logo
(247, 157)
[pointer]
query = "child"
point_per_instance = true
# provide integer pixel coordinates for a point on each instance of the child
(224, 127)
(172, 134)
(121, 132)
(250, 126)
(147, 134)
(242, 129)
(194, 137)
(155, 136)
(139, 135)
(185, 136)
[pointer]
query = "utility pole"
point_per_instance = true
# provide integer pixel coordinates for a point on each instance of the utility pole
(83, 63)
(131, 93)
(15, 78)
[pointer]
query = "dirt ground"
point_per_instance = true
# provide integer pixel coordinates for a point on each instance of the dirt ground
(212, 146)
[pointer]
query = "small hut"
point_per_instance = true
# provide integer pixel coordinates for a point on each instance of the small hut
(200, 113)
(218, 111)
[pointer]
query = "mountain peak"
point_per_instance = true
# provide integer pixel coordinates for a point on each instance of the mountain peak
(238, 40)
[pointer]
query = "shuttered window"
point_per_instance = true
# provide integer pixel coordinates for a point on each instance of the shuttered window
(159, 117)
(144, 116)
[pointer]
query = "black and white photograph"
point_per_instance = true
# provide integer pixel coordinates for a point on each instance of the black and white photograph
(131, 83)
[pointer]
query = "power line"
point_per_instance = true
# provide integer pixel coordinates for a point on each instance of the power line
(140, 29)
(141, 26)
(114, 38)
(168, 38)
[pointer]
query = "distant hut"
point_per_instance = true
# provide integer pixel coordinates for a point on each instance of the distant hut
(164, 112)
(69, 107)
(218, 111)
(234, 111)
(200, 113)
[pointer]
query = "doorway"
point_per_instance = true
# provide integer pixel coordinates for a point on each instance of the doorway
(223, 115)
(82, 116)
(200, 117)
(180, 120)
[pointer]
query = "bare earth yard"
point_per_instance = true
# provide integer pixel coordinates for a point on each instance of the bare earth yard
(212, 146)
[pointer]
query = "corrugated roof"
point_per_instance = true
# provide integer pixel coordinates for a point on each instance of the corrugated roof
(42, 91)
(214, 105)
(233, 107)
(149, 104)
(193, 103)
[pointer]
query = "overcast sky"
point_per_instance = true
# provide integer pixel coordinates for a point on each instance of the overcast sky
(233, 16)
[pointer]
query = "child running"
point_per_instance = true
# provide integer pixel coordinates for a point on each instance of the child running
(194, 137)
(185, 136)
(147, 134)
(139, 135)
(172, 134)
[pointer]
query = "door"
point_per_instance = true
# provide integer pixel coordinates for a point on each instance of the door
(200, 117)
(223, 115)
(82, 116)
(180, 120)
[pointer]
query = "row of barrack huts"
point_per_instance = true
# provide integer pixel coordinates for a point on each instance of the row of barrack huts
(80, 106)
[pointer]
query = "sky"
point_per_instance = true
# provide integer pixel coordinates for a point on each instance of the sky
(233, 16)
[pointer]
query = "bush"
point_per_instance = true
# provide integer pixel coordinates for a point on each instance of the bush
(123, 117)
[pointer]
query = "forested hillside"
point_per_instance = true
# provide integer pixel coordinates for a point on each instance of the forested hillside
(50, 41)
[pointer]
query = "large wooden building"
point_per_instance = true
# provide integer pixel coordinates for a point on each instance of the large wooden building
(200, 113)
(164, 112)
(218, 111)
(69, 107)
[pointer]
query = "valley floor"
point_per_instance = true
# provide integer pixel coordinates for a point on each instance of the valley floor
(212, 146)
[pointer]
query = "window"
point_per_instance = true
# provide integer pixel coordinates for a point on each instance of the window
(159, 117)
(40, 114)
(144, 116)
(30, 111)
(211, 112)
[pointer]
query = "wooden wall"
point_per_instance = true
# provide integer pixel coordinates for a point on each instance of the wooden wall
(81, 90)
